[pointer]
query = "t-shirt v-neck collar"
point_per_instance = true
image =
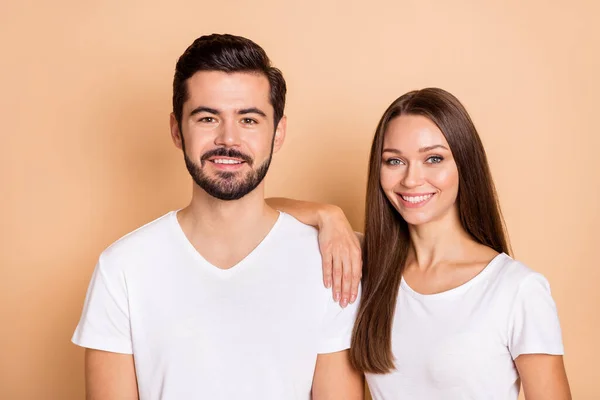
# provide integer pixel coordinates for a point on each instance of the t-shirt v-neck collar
(240, 265)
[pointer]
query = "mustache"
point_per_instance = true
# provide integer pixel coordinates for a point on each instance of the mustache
(223, 152)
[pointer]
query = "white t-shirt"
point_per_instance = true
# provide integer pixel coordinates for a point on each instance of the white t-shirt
(460, 344)
(200, 332)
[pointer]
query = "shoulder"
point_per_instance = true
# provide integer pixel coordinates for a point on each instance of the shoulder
(140, 243)
(513, 276)
(299, 244)
(533, 324)
(291, 227)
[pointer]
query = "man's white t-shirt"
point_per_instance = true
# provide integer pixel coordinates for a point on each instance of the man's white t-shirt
(462, 343)
(199, 332)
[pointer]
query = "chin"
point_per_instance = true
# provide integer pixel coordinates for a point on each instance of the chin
(417, 220)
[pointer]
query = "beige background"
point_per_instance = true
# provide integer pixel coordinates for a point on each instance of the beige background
(85, 154)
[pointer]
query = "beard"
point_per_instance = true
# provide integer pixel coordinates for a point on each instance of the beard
(227, 185)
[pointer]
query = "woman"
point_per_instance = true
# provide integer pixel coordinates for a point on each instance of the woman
(445, 312)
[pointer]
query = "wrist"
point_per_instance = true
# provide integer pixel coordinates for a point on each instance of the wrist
(328, 213)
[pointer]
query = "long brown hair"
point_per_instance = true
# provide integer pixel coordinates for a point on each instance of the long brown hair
(387, 240)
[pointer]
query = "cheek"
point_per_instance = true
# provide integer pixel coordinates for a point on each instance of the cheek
(257, 141)
(388, 179)
(445, 179)
(197, 140)
(259, 144)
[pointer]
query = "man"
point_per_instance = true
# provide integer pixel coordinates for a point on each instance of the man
(222, 299)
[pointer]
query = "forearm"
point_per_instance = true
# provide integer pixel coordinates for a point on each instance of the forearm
(307, 212)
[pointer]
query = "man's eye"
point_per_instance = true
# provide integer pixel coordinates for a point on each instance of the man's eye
(208, 120)
(249, 121)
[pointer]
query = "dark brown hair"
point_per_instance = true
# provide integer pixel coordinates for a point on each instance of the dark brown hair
(226, 53)
(387, 240)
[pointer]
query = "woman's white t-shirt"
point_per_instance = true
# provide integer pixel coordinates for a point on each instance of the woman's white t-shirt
(462, 343)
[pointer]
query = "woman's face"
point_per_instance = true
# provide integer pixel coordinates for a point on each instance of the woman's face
(418, 173)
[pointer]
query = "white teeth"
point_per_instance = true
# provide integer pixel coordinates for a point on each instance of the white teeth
(224, 161)
(417, 199)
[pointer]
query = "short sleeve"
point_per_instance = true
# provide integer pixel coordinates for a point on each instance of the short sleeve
(338, 323)
(104, 323)
(534, 327)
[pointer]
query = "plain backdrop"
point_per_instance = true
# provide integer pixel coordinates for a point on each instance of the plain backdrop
(85, 154)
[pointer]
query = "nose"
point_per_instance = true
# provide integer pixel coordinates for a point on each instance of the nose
(413, 177)
(228, 135)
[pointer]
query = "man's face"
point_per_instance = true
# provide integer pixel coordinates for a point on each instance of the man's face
(227, 132)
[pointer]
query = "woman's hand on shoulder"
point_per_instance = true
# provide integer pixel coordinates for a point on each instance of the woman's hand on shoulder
(342, 256)
(340, 246)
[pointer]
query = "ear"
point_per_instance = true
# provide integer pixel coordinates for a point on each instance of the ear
(280, 134)
(175, 133)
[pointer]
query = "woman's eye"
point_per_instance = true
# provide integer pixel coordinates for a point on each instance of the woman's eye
(393, 162)
(435, 159)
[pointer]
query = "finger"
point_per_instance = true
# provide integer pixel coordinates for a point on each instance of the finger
(337, 277)
(327, 267)
(346, 281)
(356, 262)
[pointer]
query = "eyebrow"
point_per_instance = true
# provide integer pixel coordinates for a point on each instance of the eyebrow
(202, 109)
(421, 150)
(251, 110)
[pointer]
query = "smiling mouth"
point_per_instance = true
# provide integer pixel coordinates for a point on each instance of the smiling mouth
(226, 161)
(416, 199)
(221, 161)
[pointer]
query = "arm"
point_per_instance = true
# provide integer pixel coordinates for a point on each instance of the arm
(543, 377)
(336, 379)
(307, 212)
(109, 376)
(340, 247)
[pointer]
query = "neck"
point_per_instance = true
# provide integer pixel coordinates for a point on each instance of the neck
(438, 241)
(227, 221)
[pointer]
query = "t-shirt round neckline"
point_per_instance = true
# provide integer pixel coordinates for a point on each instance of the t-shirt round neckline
(240, 265)
(488, 269)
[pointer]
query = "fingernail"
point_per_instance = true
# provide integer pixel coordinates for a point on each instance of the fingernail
(344, 302)
(352, 298)
(327, 283)
(337, 296)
